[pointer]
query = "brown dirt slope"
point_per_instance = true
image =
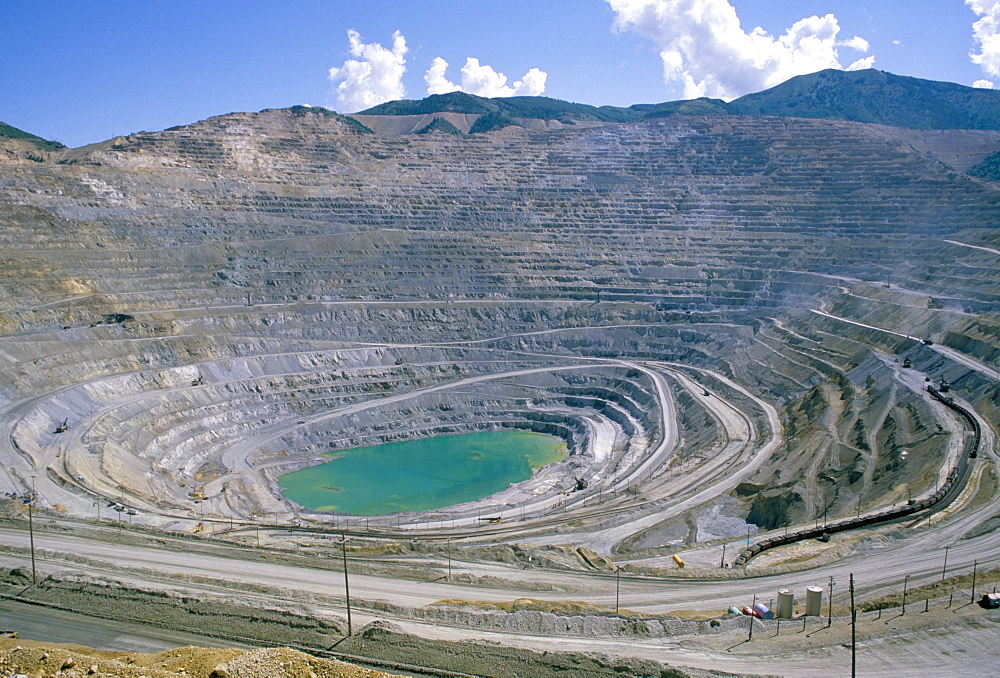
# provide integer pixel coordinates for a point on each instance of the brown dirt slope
(47, 659)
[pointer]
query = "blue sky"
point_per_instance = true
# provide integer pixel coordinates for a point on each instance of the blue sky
(87, 70)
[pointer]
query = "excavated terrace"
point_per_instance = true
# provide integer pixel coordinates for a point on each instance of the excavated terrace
(712, 312)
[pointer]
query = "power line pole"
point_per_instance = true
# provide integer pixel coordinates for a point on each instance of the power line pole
(854, 626)
(975, 563)
(903, 611)
(617, 578)
(945, 566)
(347, 587)
(31, 531)
(829, 617)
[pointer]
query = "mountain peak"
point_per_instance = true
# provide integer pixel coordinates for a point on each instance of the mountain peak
(875, 96)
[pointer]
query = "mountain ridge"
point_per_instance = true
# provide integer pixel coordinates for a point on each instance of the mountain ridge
(869, 96)
(873, 96)
(866, 96)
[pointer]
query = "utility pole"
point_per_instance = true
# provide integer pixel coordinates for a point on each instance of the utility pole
(854, 627)
(945, 566)
(829, 617)
(347, 587)
(31, 531)
(753, 608)
(617, 588)
(723, 563)
(903, 611)
(449, 558)
(975, 563)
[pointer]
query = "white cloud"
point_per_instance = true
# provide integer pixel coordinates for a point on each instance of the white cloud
(987, 33)
(482, 80)
(983, 84)
(861, 64)
(374, 77)
(436, 81)
(704, 47)
(857, 43)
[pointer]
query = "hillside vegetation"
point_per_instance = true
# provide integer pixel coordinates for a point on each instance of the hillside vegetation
(11, 132)
(870, 96)
(989, 168)
(876, 97)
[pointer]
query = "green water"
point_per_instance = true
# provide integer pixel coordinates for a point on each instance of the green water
(421, 475)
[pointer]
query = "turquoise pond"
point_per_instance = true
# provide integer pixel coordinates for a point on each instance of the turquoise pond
(421, 475)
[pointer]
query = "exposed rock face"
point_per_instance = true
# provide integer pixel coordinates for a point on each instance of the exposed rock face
(711, 213)
(774, 510)
(200, 298)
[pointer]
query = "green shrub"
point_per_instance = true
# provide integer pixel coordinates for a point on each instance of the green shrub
(492, 121)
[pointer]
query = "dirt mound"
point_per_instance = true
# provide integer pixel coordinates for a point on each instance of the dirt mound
(16, 576)
(45, 659)
(490, 659)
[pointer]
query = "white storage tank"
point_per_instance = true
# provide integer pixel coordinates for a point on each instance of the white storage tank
(786, 604)
(814, 601)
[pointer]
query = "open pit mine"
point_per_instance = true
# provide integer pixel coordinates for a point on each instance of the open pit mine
(768, 346)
